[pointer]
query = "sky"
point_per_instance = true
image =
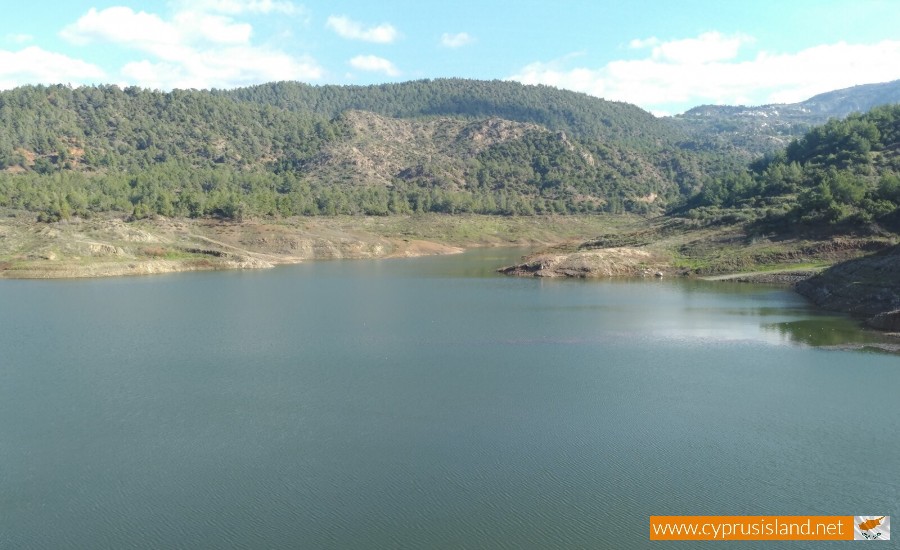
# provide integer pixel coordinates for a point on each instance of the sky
(665, 56)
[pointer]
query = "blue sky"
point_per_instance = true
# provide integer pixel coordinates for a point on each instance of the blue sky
(665, 56)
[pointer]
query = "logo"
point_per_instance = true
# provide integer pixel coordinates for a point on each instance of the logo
(871, 527)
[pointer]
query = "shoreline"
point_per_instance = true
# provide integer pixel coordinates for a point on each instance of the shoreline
(206, 260)
(113, 247)
(858, 285)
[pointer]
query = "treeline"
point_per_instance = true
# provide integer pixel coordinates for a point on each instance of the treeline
(844, 171)
(178, 191)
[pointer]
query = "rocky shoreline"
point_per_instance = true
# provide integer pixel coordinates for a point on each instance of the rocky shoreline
(775, 278)
(867, 287)
(606, 262)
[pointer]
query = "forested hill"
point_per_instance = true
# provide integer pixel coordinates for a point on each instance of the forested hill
(54, 128)
(287, 148)
(846, 172)
(579, 114)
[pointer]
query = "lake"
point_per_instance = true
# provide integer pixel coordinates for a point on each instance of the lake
(427, 403)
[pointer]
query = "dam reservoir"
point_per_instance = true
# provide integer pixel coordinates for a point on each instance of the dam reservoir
(427, 403)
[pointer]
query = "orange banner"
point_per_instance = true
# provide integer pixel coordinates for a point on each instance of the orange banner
(751, 527)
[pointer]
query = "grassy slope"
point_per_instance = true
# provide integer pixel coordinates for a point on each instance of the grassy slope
(686, 248)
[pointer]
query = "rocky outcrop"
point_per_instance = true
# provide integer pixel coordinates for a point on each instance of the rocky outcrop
(606, 262)
(103, 249)
(381, 149)
(868, 286)
(889, 320)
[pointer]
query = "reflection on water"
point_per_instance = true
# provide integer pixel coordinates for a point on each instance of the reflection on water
(822, 331)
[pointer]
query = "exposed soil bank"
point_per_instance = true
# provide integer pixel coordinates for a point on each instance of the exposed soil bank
(111, 246)
(607, 262)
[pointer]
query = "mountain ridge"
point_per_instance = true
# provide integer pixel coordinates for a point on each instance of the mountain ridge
(763, 129)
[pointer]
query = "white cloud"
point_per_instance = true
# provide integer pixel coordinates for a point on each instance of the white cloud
(456, 40)
(121, 25)
(217, 29)
(374, 63)
(353, 30)
(709, 46)
(195, 48)
(149, 32)
(680, 74)
(34, 65)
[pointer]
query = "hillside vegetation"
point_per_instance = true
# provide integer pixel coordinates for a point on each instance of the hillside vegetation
(575, 113)
(830, 196)
(845, 173)
(286, 149)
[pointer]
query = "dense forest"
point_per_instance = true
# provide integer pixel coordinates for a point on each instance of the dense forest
(845, 171)
(287, 148)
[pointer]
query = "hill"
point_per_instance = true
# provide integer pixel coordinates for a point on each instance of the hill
(578, 114)
(765, 129)
(286, 148)
(828, 197)
(845, 173)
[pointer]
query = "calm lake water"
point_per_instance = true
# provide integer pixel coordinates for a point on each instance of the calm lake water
(426, 403)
